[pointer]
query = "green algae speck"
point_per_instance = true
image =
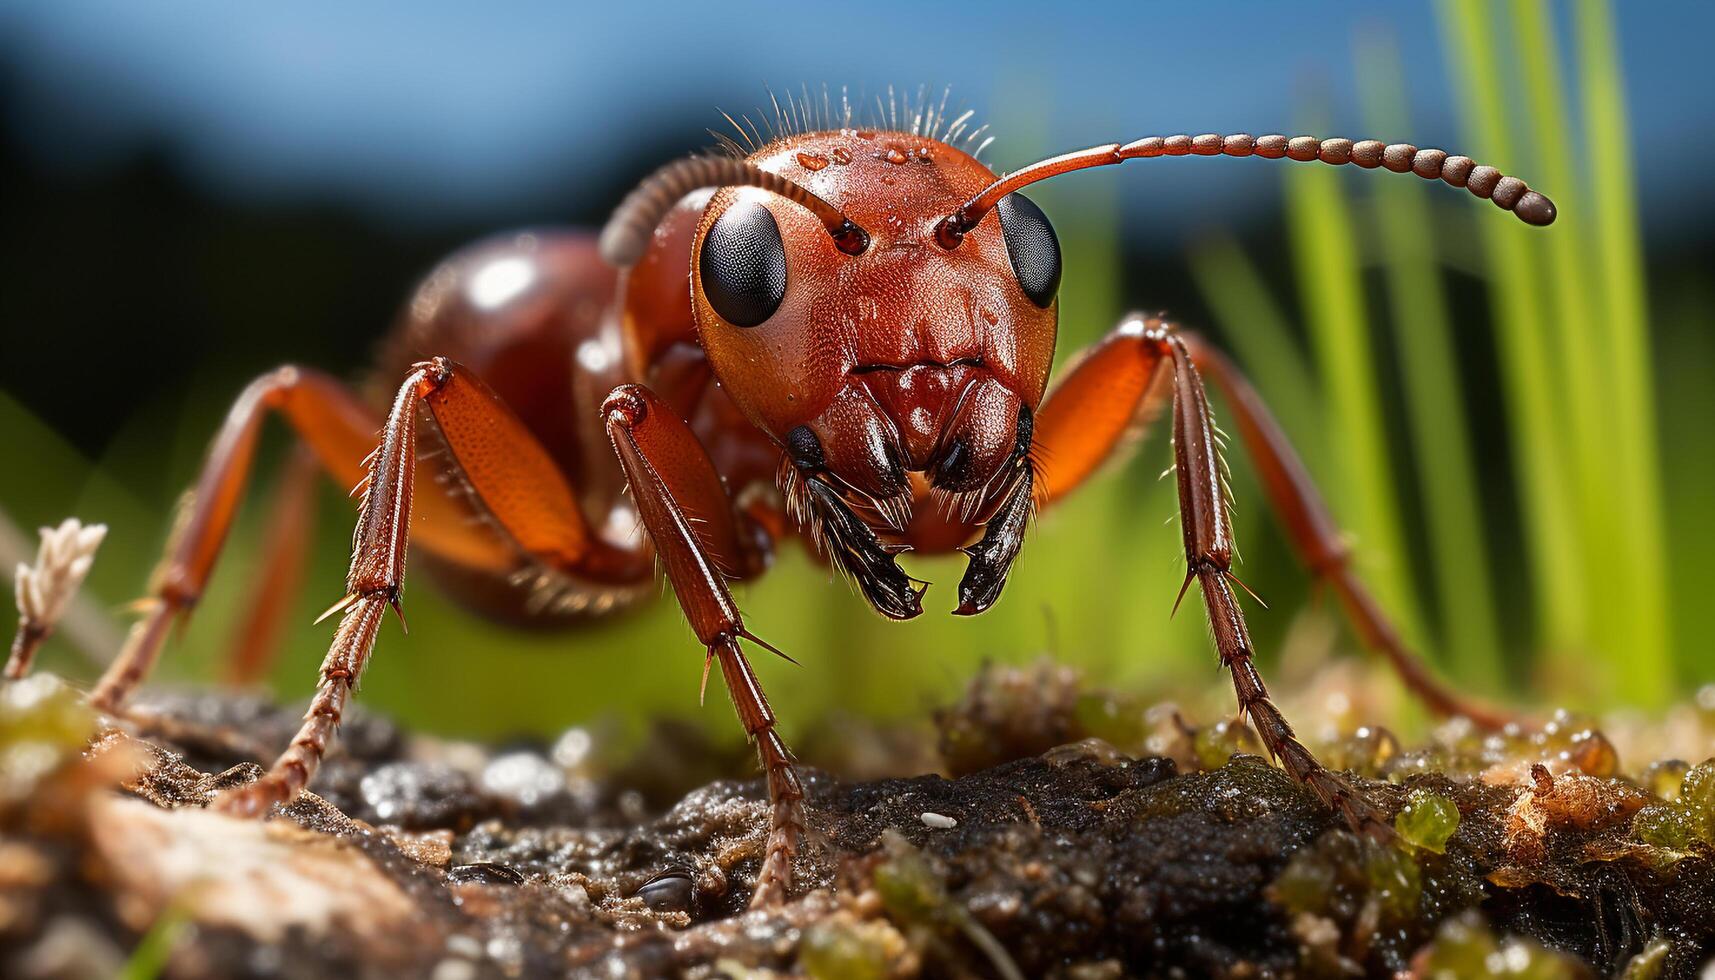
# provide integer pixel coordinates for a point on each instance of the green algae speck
(1427, 820)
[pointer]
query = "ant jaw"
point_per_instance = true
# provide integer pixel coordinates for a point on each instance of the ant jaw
(855, 548)
(900, 606)
(991, 557)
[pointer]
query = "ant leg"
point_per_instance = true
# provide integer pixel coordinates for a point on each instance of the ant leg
(1112, 389)
(339, 429)
(1205, 522)
(516, 483)
(256, 641)
(690, 519)
(1301, 511)
(1120, 381)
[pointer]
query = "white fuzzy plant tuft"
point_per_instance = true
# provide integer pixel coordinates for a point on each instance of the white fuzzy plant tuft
(47, 587)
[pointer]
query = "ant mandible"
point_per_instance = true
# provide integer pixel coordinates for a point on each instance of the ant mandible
(862, 358)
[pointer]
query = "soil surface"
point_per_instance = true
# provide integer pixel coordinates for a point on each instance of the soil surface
(1043, 850)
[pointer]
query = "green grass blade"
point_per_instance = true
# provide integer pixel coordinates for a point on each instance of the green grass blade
(1628, 628)
(1434, 399)
(1527, 357)
(1635, 459)
(155, 950)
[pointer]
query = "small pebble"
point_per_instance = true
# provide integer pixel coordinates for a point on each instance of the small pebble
(415, 796)
(939, 821)
(524, 778)
(576, 895)
(454, 970)
(573, 749)
(466, 946)
(672, 890)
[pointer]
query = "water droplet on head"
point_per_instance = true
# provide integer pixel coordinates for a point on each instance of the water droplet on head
(896, 156)
(812, 161)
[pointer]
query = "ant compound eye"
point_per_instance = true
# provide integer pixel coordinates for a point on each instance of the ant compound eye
(743, 265)
(1032, 246)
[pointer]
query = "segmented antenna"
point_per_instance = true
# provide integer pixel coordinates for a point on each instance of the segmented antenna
(627, 233)
(1508, 193)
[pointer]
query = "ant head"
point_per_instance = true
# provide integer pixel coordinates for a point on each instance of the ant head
(835, 319)
(897, 354)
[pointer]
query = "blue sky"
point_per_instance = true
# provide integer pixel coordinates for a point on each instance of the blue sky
(442, 111)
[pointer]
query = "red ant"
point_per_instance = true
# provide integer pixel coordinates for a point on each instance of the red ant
(862, 357)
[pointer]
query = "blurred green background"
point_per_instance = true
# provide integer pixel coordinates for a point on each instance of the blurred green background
(1513, 424)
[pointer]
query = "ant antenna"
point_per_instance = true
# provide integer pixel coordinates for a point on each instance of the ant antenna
(1508, 193)
(628, 231)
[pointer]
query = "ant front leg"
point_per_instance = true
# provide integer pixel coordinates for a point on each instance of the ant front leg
(1102, 398)
(1304, 515)
(690, 518)
(513, 480)
(1206, 523)
(338, 430)
(1128, 376)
